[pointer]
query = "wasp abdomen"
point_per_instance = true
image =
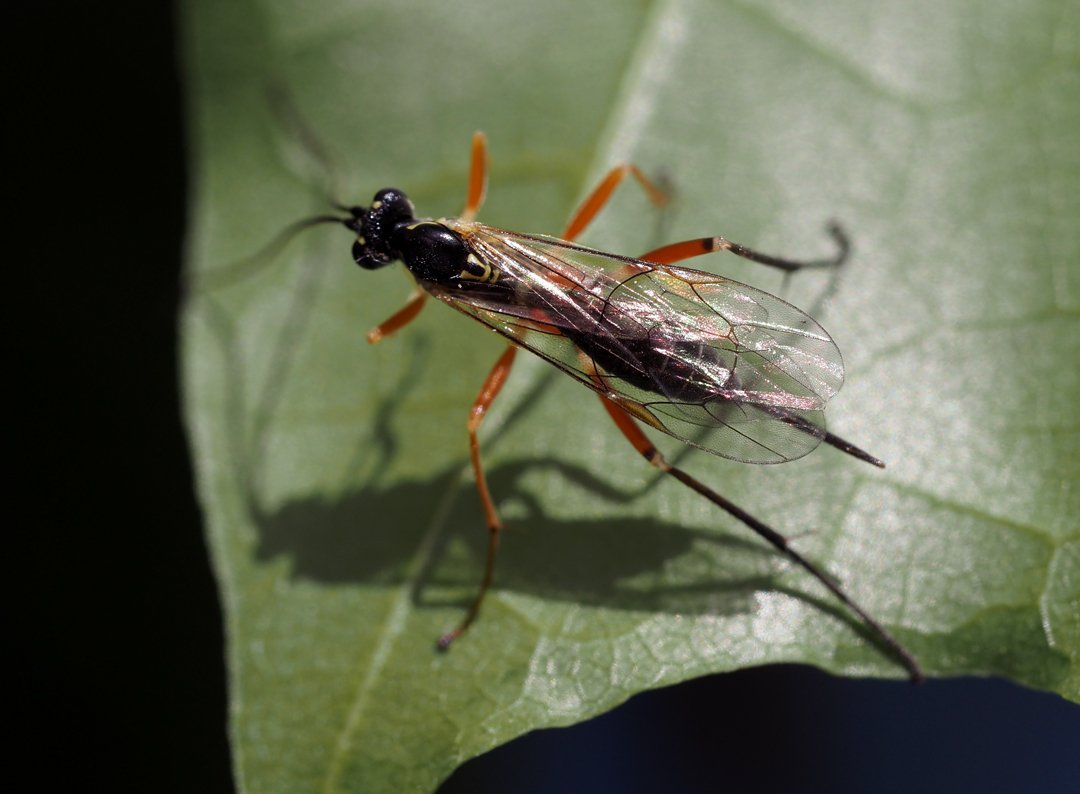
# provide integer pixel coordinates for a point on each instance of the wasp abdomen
(670, 370)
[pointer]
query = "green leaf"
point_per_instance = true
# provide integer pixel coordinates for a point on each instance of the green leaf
(334, 476)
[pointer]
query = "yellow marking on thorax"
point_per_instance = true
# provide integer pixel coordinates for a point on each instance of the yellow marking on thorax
(489, 275)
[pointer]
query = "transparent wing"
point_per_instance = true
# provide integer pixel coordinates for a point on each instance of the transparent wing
(718, 364)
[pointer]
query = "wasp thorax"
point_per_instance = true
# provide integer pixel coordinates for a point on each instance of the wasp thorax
(434, 253)
(377, 227)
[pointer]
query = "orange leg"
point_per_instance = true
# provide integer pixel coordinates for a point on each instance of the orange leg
(600, 196)
(492, 386)
(676, 252)
(402, 317)
(646, 449)
(477, 177)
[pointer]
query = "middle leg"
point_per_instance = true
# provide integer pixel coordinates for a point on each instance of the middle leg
(492, 386)
(601, 194)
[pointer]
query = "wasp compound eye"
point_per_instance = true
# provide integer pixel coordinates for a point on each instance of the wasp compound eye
(366, 257)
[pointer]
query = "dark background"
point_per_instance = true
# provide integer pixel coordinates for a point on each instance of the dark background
(117, 642)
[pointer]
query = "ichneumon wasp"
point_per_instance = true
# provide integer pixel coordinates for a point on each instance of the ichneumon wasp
(718, 364)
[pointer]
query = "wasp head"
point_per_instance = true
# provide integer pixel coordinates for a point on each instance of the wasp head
(377, 228)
